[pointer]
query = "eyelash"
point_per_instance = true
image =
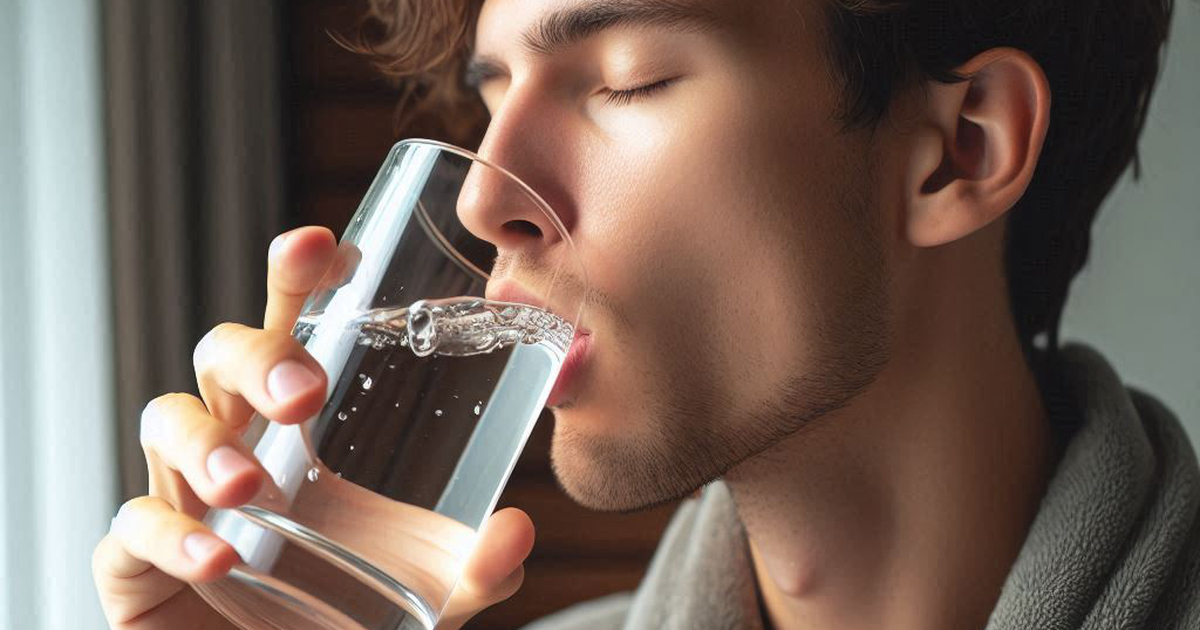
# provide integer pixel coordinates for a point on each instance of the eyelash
(624, 97)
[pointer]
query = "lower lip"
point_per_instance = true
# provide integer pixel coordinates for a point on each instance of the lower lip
(572, 364)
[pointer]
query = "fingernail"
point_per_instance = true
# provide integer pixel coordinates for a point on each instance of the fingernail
(225, 463)
(290, 379)
(200, 546)
(276, 246)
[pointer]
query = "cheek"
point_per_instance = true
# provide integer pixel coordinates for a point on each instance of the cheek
(703, 281)
(716, 233)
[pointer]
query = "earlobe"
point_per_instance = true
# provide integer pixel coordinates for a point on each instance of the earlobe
(975, 152)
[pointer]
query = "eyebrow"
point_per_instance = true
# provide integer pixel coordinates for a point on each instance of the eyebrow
(563, 28)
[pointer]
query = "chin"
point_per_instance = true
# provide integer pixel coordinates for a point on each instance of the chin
(610, 472)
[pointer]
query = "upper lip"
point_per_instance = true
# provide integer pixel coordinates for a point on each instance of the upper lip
(508, 290)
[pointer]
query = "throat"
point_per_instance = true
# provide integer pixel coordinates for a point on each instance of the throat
(891, 519)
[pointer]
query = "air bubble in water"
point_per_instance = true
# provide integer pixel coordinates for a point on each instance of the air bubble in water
(342, 416)
(437, 412)
(422, 329)
(313, 474)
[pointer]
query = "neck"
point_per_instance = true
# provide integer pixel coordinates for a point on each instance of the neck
(907, 508)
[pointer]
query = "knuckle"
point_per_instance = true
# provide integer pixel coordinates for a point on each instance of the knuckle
(138, 506)
(161, 413)
(210, 344)
(130, 516)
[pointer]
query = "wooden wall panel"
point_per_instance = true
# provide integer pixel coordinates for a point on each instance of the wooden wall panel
(340, 119)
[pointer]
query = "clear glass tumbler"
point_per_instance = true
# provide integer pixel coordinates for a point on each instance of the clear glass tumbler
(437, 373)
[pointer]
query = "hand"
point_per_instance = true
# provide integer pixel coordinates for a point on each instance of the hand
(196, 460)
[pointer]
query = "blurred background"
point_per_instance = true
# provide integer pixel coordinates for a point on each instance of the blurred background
(151, 149)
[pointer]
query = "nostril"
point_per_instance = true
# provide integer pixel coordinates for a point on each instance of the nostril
(523, 227)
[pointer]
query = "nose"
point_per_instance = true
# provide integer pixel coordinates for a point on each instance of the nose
(493, 205)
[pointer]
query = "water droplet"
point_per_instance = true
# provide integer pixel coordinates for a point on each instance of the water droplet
(455, 396)
(352, 447)
(352, 409)
(478, 408)
(437, 412)
(282, 479)
(339, 474)
(397, 404)
(367, 383)
(313, 474)
(342, 416)
(391, 366)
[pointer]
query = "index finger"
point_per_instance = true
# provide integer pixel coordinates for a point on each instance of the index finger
(295, 264)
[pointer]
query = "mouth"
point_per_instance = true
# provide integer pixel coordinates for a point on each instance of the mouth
(571, 367)
(509, 291)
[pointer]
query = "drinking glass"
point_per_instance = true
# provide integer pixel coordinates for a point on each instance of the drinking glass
(373, 505)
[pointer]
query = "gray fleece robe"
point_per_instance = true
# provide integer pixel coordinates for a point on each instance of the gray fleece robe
(1115, 544)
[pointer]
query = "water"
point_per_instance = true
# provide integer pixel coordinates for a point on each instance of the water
(376, 500)
(457, 327)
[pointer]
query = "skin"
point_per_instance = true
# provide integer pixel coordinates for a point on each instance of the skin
(816, 315)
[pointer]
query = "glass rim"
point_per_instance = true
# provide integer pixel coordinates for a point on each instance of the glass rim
(537, 200)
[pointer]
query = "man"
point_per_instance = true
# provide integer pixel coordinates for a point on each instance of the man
(830, 243)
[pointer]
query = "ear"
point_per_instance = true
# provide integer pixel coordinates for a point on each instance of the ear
(977, 146)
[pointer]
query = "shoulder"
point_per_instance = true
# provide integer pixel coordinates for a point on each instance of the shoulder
(1179, 484)
(603, 613)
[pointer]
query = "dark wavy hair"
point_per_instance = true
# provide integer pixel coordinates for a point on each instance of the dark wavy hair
(1101, 58)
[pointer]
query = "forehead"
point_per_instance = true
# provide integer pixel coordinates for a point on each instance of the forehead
(545, 26)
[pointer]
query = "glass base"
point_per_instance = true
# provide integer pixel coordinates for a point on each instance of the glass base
(308, 583)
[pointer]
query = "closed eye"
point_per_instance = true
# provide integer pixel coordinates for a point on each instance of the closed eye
(624, 97)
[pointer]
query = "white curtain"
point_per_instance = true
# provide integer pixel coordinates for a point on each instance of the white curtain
(58, 482)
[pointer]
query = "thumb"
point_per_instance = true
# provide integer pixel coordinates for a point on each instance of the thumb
(494, 571)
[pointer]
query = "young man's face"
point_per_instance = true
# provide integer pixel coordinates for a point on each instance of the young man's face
(732, 231)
